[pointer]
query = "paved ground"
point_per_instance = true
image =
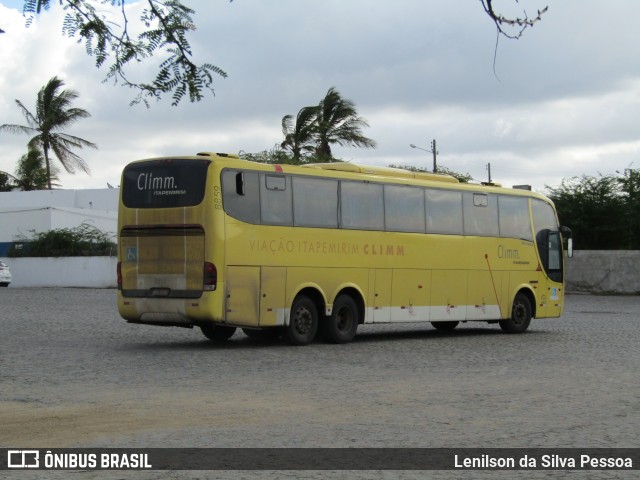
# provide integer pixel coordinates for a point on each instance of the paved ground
(75, 374)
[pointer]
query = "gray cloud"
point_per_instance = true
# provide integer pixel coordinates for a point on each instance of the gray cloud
(565, 102)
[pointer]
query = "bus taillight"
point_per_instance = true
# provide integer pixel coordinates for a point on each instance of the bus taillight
(210, 277)
(119, 270)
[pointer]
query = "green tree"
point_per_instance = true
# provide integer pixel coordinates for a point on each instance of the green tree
(274, 156)
(53, 113)
(338, 123)
(6, 182)
(83, 240)
(333, 121)
(108, 39)
(31, 173)
(462, 177)
(299, 136)
(595, 209)
(630, 186)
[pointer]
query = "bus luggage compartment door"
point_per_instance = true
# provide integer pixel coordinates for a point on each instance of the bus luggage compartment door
(243, 295)
(273, 282)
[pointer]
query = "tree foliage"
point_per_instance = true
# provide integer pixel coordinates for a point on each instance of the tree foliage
(31, 172)
(275, 155)
(6, 182)
(462, 177)
(53, 113)
(334, 121)
(82, 241)
(338, 123)
(166, 26)
(602, 211)
(299, 134)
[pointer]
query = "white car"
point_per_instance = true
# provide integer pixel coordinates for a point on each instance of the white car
(5, 275)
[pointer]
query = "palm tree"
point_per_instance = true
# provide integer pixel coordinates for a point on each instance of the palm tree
(53, 113)
(31, 173)
(338, 123)
(299, 137)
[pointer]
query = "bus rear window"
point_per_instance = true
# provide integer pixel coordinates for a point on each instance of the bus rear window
(164, 183)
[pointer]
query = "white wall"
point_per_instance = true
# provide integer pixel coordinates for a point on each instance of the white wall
(43, 210)
(90, 272)
(91, 199)
(16, 224)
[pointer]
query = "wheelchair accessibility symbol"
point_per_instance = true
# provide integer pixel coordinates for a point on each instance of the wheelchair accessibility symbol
(132, 254)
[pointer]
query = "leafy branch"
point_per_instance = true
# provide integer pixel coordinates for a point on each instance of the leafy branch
(167, 22)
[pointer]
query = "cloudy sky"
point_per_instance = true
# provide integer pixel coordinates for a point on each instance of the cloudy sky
(564, 99)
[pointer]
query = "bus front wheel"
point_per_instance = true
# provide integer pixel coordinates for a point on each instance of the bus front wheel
(303, 322)
(342, 325)
(217, 333)
(520, 315)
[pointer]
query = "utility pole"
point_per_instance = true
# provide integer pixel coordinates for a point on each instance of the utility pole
(489, 170)
(433, 149)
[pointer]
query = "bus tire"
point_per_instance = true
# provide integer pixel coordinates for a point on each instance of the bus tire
(303, 322)
(342, 325)
(520, 315)
(217, 333)
(445, 326)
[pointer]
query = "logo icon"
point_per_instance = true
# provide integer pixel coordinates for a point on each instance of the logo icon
(23, 459)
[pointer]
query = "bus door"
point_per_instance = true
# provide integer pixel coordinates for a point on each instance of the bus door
(550, 250)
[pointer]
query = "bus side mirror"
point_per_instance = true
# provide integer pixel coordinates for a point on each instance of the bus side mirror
(566, 233)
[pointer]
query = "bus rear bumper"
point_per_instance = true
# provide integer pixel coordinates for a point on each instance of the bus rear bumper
(183, 312)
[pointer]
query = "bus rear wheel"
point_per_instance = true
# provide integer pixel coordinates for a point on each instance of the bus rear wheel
(520, 315)
(342, 325)
(303, 322)
(217, 333)
(445, 326)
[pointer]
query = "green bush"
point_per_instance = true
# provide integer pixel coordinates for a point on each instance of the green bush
(82, 241)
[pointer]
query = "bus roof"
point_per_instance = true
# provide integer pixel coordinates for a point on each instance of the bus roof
(382, 171)
(353, 171)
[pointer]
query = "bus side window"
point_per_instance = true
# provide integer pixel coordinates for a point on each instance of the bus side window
(315, 202)
(514, 217)
(361, 205)
(241, 195)
(481, 214)
(444, 211)
(543, 216)
(404, 209)
(275, 200)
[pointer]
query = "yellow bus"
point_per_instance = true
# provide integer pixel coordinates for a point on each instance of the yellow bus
(221, 243)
